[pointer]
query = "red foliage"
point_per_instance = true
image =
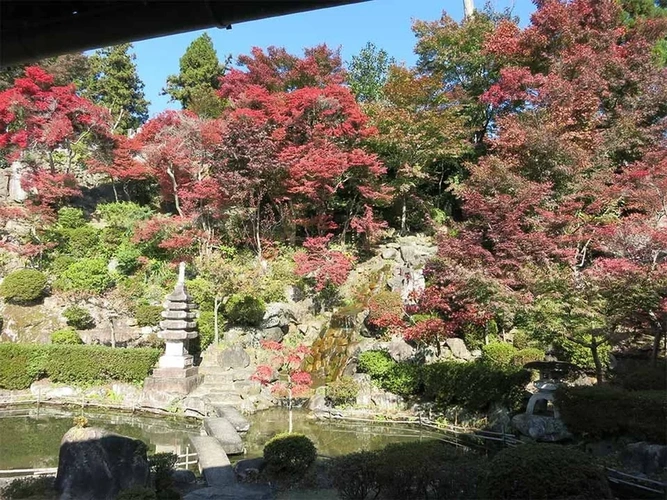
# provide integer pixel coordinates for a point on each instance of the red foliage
(325, 265)
(39, 118)
(289, 361)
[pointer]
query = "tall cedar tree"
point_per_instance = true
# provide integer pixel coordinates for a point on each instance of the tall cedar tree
(563, 197)
(198, 78)
(115, 84)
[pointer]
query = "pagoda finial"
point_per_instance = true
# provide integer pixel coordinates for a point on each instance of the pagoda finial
(181, 274)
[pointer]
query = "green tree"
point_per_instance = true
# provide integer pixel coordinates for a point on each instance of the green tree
(198, 78)
(115, 84)
(368, 72)
(635, 10)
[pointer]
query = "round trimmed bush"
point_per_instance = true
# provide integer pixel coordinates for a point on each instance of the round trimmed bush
(147, 315)
(355, 475)
(498, 353)
(545, 471)
(289, 454)
(527, 355)
(206, 327)
(245, 310)
(26, 285)
(78, 318)
(66, 336)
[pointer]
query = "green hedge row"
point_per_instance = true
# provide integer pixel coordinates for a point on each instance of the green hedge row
(601, 411)
(475, 386)
(23, 364)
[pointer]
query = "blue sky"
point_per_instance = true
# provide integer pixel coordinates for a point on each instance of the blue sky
(386, 23)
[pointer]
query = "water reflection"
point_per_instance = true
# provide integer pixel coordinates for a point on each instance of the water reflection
(30, 438)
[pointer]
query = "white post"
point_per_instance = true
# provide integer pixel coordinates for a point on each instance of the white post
(468, 9)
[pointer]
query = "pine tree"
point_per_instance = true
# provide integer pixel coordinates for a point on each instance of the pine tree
(115, 84)
(200, 71)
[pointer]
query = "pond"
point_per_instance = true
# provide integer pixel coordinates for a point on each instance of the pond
(30, 438)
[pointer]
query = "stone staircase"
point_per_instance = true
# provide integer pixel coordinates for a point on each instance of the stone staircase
(226, 374)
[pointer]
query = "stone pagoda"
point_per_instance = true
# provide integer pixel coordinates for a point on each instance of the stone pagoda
(175, 372)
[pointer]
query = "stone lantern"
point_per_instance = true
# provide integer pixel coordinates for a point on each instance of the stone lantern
(541, 421)
(175, 372)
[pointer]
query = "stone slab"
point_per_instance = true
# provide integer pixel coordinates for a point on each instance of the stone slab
(175, 372)
(213, 462)
(172, 385)
(224, 431)
(234, 416)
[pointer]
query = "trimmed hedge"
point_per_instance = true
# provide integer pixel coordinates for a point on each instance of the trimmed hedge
(25, 285)
(289, 454)
(601, 411)
(23, 364)
(475, 386)
(78, 318)
(545, 471)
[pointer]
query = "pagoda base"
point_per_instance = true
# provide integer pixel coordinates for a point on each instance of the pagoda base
(173, 380)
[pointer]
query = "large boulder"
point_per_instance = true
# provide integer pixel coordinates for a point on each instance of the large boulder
(277, 314)
(458, 349)
(233, 358)
(645, 458)
(541, 427)
(95, 464)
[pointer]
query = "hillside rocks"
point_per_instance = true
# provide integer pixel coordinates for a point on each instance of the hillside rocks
(95, 464)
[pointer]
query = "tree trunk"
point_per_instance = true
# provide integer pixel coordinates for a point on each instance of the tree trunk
(404, 215)
(174, 184)
(290, 425)
(216, 307)
(659, 334)
(115, 191)
(596, 359)
(113, 334)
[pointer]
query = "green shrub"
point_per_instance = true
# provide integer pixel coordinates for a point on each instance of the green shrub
(498, 353)
(375, 363)
(162, 465)
(123, 214)
(645, 378)
(86, 275)
(23, 364)
(404, 379)
(70, 218)
(245, 310)
(60, 264)
(137, 493)
(343, 391)
(355, 476)
(545, 471)
(26, 285)
(127, 257)
(206, 326)
(82, 241)
(601, 411)
(289, 454)
(78, 318)
(29, 487)
(413, 470)
(527, 355)
(475, 386)
(66, 336)
(147, 315)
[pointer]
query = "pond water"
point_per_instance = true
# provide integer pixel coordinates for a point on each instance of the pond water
(30, 438)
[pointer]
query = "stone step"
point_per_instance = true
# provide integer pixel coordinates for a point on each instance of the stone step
(213, 462)
(224, 431)
(234, 416)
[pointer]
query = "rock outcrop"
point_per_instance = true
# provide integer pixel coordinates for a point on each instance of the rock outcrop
(95, 464)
